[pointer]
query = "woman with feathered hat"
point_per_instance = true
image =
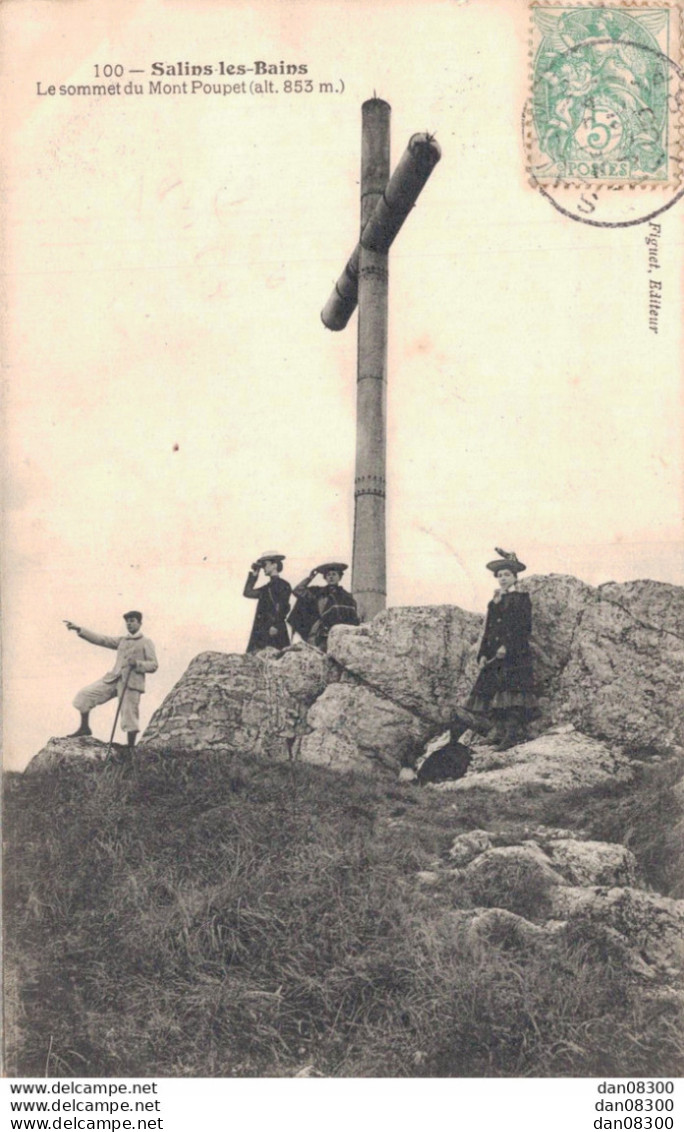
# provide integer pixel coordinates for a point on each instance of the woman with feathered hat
(269, 630)
(502, 698)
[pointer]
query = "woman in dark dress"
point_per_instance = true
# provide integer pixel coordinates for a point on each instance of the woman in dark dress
(273, 604)
(502, 698)
(318, 608)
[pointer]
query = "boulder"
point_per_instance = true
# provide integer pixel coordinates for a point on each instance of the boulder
(467, 846)
(500, 928)
(475, 930)
(609, 944)
(253, 704)
(542, 835)
(428, 877)
(352, 728)
(516, 877)
(559, 760)
(678, 791)
(422, 658)
(651, 924)
(558, 603)
(623, 679)
(576, 862)
(65, 751)
(593, 862)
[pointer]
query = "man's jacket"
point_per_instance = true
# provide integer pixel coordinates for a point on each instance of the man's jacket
(137, 648)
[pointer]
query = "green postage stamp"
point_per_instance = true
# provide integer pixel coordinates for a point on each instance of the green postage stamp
(606, 94)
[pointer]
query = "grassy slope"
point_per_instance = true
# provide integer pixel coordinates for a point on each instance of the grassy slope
(193, 917)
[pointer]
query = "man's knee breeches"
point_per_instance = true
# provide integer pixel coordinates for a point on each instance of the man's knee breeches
(100, 692)
(130, 711)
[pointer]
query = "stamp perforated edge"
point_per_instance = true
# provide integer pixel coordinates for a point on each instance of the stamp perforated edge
(676, 119)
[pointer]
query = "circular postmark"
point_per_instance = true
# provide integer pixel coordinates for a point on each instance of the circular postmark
(602, 127)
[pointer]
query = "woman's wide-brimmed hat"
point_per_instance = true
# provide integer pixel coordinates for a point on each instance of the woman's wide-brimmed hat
(271, 556)
(340, 567)
(508, 560)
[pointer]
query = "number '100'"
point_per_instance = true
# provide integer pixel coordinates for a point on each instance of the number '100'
(108, 70)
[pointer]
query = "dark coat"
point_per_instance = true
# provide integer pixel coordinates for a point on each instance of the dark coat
(304, 615)
(272, 609)
(509, 623)
(318, 608)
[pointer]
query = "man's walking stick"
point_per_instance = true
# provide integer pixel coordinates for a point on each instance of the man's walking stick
(116, 717)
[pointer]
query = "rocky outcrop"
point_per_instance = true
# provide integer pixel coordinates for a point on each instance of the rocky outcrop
(558, 605)
(467, 846)
(531, 892)
(401, 677)
(352, 728)
(608, 663)
(253, 704)
(515, 877)
(477, 930)
(560, 760)
(623, 679)
(653, 924)
(420, 658)
(592, 862)
(67, 751)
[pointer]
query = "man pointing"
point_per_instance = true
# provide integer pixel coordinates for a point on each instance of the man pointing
(135, 656)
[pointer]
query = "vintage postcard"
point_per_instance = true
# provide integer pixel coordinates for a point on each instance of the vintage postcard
(368, 306)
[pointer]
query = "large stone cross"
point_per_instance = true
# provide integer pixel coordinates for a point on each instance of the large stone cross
(385, 204)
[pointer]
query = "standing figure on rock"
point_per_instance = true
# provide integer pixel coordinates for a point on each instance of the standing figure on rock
(269, 630)
(135, 656)
(318, 608)
(502, 698)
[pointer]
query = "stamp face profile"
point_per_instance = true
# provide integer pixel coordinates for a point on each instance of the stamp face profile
(600, 98)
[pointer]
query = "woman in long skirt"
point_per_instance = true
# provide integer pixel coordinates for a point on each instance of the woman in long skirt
(273, 604)
(502, 698)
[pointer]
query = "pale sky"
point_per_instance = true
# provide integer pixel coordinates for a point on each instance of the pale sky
(173, 404)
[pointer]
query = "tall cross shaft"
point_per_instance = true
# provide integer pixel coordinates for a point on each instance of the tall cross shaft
(369, 565)
(385, 204)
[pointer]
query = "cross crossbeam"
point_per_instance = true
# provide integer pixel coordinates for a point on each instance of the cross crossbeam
(406, 183)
